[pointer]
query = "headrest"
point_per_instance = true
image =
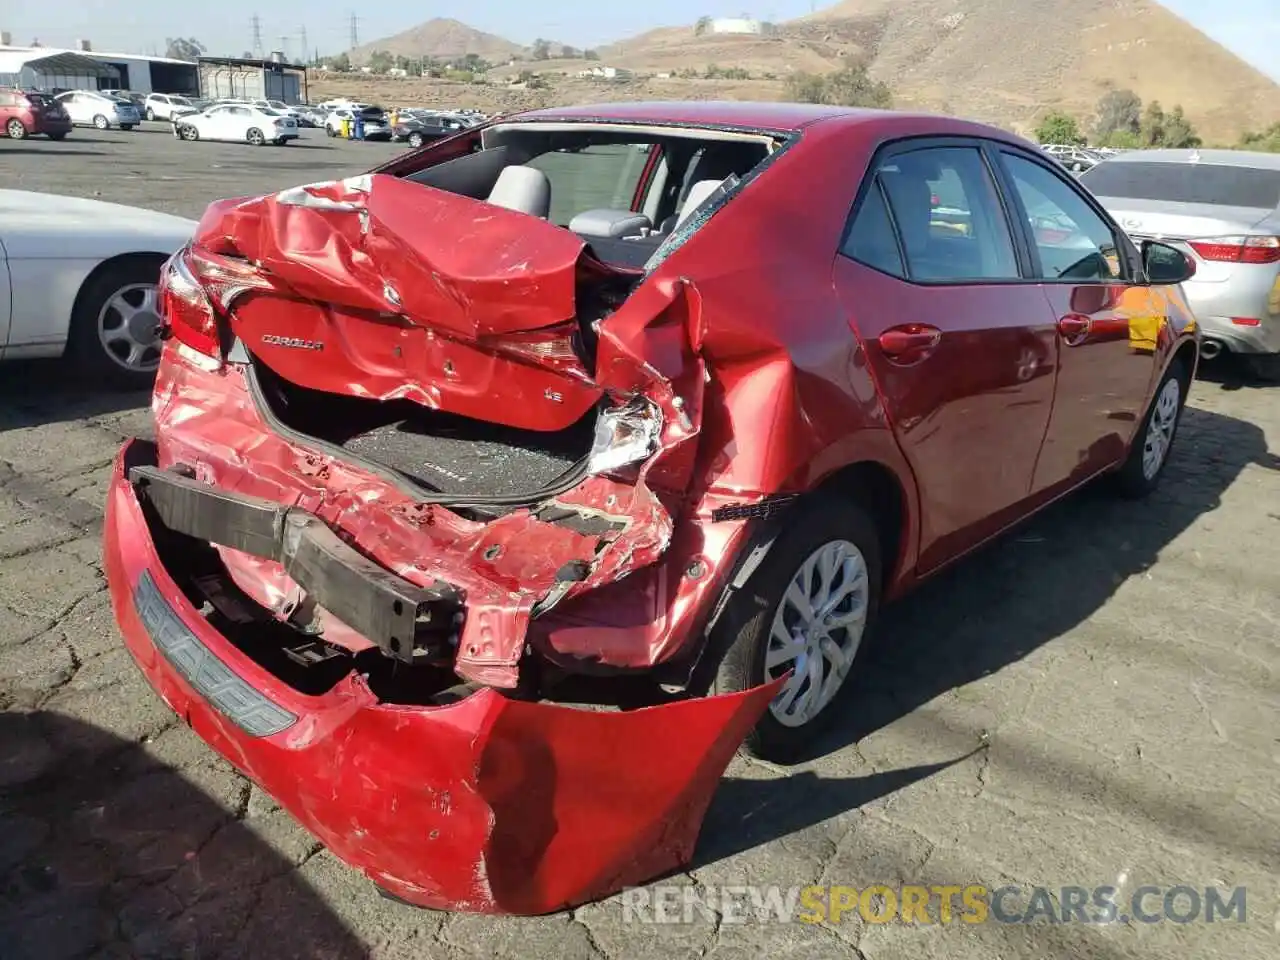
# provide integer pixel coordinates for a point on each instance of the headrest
(524, 189)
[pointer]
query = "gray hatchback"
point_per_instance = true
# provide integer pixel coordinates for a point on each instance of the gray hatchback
(1223, 208)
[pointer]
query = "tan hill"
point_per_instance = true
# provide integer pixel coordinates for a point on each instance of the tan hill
(1006, 61)
(443, 39)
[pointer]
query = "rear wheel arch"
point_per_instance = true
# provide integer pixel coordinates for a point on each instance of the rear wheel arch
(878, 490)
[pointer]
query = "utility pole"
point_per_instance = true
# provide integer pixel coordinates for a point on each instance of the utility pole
(257, 36)
(302, 43)
(355, 31)
(284, 46)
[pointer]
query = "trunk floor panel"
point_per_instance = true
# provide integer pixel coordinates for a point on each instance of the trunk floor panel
(467, 464)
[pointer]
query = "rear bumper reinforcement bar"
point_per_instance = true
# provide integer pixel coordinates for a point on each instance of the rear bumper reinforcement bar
(399, 617)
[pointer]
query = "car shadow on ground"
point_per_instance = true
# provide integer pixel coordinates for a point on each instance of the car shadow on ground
(989, 611)
(53, 148)
(1038, 582)
(1229, 372)
(35, 392)
(106, 850)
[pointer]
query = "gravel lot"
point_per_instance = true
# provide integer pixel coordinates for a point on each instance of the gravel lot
(1095, 700)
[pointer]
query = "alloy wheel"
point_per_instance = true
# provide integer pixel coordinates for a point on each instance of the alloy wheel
(1160, 427)
(101, 122)
(129, 327)
(817, 629)
(16, 130)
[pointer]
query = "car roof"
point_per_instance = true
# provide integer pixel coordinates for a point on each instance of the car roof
(1229, 158)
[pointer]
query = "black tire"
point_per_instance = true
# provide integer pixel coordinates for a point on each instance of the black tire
(101, 122)
(126, 126)
(150, 114)
(328, 131)
(1134, 480)
(415, 140)
(741, 636)
(189, 133)
(255, 137)
(85, 350)
(57, 136)
(16, 129)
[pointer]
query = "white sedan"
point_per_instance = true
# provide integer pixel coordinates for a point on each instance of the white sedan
(78, 279)
(93, 108)
(241, 122)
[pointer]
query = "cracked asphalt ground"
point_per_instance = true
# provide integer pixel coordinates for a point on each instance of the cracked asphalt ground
(1095, 700)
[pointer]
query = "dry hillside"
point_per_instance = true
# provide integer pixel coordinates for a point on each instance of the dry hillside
(441, 38)
(1004, 61)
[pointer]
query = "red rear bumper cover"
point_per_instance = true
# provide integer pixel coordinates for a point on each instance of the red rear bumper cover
(489, 804)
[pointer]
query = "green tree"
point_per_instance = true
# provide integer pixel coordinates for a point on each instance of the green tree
(341, 63)
(380, 61)
(1178, 132)
(590, 55)
(568, 52)
(541, 49)
(1152, 129)
(1118, 111)
(702, 26)
(1122, 140)
(1059, 127)
(1267, 140)
(850, 87)
(183, 48)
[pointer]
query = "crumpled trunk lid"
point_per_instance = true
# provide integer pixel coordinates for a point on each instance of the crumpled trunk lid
(376, 275)
(383, 288)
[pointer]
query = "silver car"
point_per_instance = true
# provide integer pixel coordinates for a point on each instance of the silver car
(1222, 207)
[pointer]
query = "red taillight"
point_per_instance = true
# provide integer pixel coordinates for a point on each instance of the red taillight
(1239, 249)
(553, 347)
(196, 292)
(1246, 321)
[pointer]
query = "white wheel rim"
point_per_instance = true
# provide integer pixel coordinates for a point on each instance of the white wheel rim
(1164, 418)
(816, 631)
(101, 123)
(128, 327)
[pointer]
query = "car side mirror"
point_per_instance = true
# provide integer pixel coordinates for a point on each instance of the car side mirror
(1164, 264)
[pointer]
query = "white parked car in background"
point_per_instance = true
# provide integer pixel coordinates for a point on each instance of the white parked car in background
(279, 106)
(239, 122)
(101, 110)
(78, 277)
(167, 106)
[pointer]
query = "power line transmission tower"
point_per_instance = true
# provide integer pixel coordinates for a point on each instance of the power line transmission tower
(257, 36)
(302, 41)
(284, 45)
(355, 31)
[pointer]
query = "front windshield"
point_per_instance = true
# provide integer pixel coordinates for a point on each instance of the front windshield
(269, 112)
(180, 101)
(277, 104)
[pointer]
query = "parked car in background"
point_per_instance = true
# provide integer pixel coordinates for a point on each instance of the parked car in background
(1222, 208)
(239, 122)
(374, 119)
(167, 106)
(25, 113)
(100, 110)
(417, 129)
(279, 106)
(139, 100)
(78, 277)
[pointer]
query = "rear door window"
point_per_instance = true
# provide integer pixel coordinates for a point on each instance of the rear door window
(1215, 184)
(948, 215)
(871, 238)
(597, 177)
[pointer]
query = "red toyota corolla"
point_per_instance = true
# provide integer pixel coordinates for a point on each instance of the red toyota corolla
(671, 394)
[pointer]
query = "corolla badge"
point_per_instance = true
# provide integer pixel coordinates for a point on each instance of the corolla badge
(1133, 223)
(294, 342)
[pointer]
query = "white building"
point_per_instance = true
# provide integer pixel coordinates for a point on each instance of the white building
(736, 25)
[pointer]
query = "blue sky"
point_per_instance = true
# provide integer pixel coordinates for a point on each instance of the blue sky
(1250, 27)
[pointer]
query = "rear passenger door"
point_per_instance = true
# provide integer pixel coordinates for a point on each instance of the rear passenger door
(961, 346)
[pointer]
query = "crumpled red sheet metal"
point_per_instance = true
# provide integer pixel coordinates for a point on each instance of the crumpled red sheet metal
(379, 243)
(489, 804)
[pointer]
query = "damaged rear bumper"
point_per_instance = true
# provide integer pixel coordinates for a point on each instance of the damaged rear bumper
(488, 804)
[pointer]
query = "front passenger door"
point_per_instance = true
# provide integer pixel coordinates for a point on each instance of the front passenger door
(1106, 323)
